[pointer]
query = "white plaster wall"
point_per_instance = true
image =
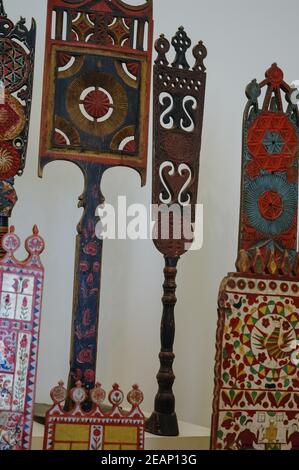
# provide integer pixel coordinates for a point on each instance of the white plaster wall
(243, 39)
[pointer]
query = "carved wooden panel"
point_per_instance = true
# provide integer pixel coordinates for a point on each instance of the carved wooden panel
(179, 93)
(97, 83)
(269, 200)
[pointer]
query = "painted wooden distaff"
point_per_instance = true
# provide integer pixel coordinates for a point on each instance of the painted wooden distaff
(21, 290)
(178, 116)
(256, 405)
(17, 47)
(95, 114)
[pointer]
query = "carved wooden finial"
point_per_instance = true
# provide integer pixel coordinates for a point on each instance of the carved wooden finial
(274, 75)
(253, 90)
(162, 46)
(199, 53)
(181, 43)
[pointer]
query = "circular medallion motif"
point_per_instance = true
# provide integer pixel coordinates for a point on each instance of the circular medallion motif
(35, 245)
(116, 396)
(177, 146)
(269, 338)
(59, 393)
(78, 394)
(98, 395)
(272, 341)
(11, 242)
(97, 104)
(135, 396)
(270, 205)
(102, 91)
(10, 161)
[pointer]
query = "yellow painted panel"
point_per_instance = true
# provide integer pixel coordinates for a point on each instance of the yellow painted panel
(129, 447)
(72, 432)
(127, 434)
(80, 446)
(62, 446)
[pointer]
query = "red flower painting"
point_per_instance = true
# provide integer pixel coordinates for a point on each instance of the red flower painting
(85, 356)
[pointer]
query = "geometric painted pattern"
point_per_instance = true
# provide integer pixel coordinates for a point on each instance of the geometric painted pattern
(97, 429)
(269, 182)
(273, 142)
(21, 286)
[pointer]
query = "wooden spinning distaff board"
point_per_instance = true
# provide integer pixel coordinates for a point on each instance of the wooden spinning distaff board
(95, 114)
(21, 285)
(17, 49)
(256, 399)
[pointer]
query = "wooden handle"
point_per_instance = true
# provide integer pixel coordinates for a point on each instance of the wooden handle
(163, 420)
(87, 280)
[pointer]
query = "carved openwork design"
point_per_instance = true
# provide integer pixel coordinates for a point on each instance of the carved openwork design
(98, 429)
(114, 23)
(21, 287)
(98, 57)
(17, 45)
(269, 200)
(178, 110)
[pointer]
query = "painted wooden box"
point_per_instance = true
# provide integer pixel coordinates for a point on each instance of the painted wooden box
(257, 387)
(97, 429)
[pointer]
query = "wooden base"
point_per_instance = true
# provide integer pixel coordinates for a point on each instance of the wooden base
(162, 424)
(192, 437)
